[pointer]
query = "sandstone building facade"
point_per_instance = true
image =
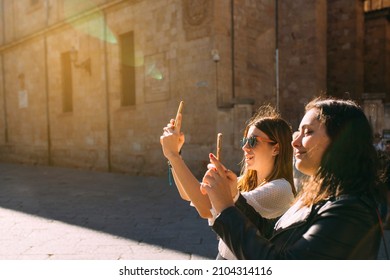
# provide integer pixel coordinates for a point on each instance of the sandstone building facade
(90, 84)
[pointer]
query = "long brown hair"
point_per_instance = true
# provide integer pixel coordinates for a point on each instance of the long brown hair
(277, 129)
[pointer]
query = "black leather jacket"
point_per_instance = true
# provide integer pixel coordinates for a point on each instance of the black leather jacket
(346, 227)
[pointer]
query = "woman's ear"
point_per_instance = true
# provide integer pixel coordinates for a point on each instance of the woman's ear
(275, 150)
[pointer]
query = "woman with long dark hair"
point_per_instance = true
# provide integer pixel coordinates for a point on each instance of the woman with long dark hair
(335, 215)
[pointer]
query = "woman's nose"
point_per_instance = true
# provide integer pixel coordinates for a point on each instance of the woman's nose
(245, 147)
(296, 140)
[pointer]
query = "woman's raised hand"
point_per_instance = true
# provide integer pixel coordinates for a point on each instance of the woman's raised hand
(172, 138)
(218, 183)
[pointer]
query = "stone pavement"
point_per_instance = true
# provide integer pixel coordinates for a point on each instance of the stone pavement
(71, 214)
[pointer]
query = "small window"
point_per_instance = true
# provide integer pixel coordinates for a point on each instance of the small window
(67, 83)
(127, 69)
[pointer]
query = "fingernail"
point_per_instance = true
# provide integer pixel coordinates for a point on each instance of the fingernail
(211, 155)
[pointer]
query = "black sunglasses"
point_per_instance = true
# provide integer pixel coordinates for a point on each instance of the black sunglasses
(253, 140)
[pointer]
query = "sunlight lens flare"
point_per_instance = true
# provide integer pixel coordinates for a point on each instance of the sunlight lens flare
(153, 72)
(90, 25)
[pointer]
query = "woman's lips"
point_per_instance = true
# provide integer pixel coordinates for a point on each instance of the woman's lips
(248, 157)
(299, 154)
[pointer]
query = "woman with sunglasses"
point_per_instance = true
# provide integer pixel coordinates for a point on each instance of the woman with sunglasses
(266, 179)
(335, 215)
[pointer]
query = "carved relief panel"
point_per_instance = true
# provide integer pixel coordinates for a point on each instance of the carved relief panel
(197, 16)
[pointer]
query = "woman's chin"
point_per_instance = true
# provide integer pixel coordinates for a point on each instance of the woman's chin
(301, 168)
(249, 166)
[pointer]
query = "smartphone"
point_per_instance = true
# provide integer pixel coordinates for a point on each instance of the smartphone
(219, 149)
(179, 110)
(219, 146)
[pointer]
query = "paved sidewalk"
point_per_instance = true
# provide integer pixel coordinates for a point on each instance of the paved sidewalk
(60, 213)
(70, 214)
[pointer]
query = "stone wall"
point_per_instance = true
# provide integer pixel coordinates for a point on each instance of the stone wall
(174, 43)
(174, 37)
(302, 55)
(377, 52)
(377, 68)
(345, 44)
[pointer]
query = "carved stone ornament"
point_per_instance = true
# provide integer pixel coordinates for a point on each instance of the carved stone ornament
(196, 11)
